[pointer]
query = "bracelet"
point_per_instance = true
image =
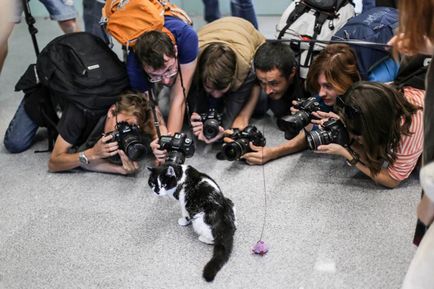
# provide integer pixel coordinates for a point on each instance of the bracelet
(355, 158)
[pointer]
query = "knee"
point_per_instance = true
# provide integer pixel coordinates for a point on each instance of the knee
(68, 26)
(15, 145)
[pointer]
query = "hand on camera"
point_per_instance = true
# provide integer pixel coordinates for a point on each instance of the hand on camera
(197, 126)
(333, 149)
(104, 148)
(128, 166)
(160, 155)
(321, 117)
(294, 108)
(258, 156)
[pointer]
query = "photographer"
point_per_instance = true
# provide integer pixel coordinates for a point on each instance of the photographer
(224, 81)
(89, 142)
(167, 58)
(331, 73)
(386, 126)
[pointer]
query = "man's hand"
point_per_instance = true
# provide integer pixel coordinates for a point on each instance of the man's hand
(128, 166)
(294, 108)
(259, 155)
(104, 148)
(160, 155)
(197, 125)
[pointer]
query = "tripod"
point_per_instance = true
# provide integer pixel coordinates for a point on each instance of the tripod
(30, 20)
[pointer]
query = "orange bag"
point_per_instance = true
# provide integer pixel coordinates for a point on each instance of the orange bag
(126, 20)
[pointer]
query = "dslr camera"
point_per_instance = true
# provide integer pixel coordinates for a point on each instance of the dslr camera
(333, 131)
(211, 123)
(293, 123)
(234, 150)
(130, 139)
(178, 147)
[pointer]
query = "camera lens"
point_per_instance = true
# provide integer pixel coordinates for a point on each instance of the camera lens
(234, 150)
(317, 138)
(175, 157)
(210, 128)
(133, 146)
(292, 124)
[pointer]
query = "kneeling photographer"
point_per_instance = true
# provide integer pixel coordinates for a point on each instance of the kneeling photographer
(224, 82)
(112, 144)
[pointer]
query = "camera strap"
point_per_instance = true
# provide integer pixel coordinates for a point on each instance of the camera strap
(154, 112)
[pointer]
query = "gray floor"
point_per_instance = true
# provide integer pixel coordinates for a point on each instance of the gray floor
(327, 226)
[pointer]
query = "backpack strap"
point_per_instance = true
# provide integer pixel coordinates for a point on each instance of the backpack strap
(320, 19)
(300, 9)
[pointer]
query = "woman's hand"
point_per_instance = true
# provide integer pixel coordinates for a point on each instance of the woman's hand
(334, 149)
(321, 117)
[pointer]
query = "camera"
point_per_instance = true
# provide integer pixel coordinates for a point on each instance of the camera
(130, 139)
(178, 147)
(234, 150)
(333, 131)
(293, 123)
(211, 123)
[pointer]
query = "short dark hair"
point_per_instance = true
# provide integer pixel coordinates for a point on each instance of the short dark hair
(151, 48)
(273, 54)
(217, 65)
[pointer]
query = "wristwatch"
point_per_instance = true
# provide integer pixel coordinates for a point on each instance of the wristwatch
(354, 160)
(83, 158)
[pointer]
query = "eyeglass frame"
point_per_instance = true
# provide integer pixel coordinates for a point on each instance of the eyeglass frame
(167, 74)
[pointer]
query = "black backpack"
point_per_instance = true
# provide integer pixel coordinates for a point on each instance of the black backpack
(73, 69)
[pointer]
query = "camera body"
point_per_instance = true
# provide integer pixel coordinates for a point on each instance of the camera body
(234, 150)
(211, 123)
(333, 131)
(178, 147)
(293, 123)
(130, 139)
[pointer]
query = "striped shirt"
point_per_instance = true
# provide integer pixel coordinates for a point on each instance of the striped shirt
(410, 146)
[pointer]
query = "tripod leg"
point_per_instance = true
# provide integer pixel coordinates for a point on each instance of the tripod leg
(30, 20)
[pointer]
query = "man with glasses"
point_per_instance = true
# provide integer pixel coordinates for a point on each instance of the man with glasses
(168, 58)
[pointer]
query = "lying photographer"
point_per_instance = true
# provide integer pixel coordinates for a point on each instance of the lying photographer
(98, 146)
(387, 130)
(224, 81)
(331, 73)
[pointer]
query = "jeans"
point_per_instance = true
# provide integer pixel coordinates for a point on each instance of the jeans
(59, 10)
(91, 17)
(239, 8)
(20, 132)
(211, 10)
(244, 9)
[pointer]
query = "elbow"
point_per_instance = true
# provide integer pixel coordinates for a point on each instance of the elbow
(52, 166)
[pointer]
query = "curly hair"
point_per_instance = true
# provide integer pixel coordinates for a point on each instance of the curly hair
(138, 105)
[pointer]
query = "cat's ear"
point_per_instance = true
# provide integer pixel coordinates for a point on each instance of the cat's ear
(151, 169)
(170, 171)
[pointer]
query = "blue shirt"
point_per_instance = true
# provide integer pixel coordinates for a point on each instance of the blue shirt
(188, 48)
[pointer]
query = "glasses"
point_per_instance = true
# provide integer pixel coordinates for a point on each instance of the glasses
(168, 74)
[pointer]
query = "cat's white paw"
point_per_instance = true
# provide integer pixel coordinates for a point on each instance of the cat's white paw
(206, 240)
(184, 221)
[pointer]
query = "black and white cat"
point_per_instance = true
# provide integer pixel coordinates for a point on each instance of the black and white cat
(203, 205)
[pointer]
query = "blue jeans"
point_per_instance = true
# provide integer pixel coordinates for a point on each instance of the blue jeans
(21, 131)
(91, 17)
(239, 8)
(59, 10)
(211, 10)
(244, 9)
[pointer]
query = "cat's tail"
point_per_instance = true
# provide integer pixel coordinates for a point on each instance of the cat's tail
(223, 243)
